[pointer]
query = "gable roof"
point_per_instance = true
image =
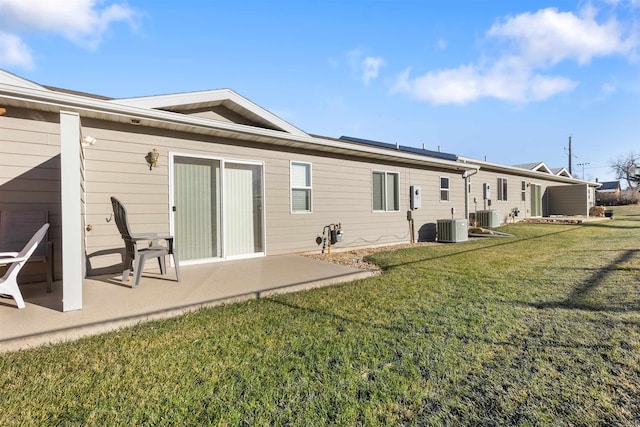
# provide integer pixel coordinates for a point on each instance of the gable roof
(538, 167)
(129, 112)
(561, 172)
(184, 102)
(609, 187)
(529, 171)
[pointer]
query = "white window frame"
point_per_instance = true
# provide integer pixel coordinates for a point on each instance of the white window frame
(446, 190)
(524, 191)
(385, 200)
(308, 188)
(502, 189)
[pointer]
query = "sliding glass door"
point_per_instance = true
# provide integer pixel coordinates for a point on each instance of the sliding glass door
(243, 209)
(217, 209)
(196, 208)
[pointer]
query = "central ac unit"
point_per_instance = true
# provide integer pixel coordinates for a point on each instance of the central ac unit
(488, 218)
(452, 230)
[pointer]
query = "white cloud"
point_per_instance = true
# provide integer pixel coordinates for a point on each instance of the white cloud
(14, 52)
(82, 22)
(367, 67)
(535, 42)
(371, 66)
(548, 37)
(469, 83)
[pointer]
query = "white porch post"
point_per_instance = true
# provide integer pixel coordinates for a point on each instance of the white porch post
(71, 205)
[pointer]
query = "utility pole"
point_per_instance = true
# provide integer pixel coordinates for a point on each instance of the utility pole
(570, 171)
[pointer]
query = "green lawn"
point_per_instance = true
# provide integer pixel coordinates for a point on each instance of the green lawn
(539, 329)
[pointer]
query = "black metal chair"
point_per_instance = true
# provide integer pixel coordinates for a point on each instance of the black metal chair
(140, 247)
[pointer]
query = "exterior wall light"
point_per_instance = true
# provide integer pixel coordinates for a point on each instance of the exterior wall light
(88, 140)
(152, 158)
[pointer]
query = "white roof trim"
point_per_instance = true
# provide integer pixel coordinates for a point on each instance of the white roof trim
(561, 172)
(108, 110)
(541, 167)
(8, 78)
(526, 172)
(226, 97)
(538, 167)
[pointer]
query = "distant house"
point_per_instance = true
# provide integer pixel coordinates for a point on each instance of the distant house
(610, 187)
(610, 193)
(233, 180)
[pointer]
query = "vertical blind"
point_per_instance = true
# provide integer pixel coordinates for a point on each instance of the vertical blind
(197, 201)
(243, 209)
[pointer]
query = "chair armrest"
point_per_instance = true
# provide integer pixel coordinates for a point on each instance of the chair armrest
(12, 259)
(144, 236)
(164, 237)
(8, 254)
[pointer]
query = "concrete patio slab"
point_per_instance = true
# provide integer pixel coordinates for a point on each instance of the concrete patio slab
(108, 304)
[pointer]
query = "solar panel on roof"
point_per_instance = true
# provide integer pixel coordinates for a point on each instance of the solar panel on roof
(403, 148)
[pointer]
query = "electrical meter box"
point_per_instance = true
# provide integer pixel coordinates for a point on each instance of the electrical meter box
(486, 191)
(415, 199)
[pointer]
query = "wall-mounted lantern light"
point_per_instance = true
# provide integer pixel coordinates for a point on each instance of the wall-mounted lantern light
(152, 158)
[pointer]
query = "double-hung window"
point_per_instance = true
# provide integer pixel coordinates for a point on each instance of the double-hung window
(502, 189)
(444, 188)
(385, 191)
(300, 187)
(524, 191)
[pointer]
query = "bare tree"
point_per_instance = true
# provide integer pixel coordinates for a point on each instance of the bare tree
(626, 167)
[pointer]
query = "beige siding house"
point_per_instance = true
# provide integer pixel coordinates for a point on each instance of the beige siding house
(231, 181)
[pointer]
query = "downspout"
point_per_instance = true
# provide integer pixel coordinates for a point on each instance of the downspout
(466, 175)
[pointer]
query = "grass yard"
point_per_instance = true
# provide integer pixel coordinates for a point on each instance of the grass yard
(539, 329)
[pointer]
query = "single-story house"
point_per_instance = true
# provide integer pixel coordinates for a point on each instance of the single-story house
(232, 180)
(609, 187)
(610, 193)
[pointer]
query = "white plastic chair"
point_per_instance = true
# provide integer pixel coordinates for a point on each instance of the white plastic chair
(9, 282)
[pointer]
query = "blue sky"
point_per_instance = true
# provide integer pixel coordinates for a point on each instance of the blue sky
(509, 80)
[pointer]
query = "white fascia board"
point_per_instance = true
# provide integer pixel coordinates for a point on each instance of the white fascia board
(54, 101)
(526, 172)
(212, 97)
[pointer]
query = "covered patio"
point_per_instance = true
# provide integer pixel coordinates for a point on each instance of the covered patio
(108, 304)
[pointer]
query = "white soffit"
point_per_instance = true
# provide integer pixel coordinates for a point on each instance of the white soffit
(212, 98)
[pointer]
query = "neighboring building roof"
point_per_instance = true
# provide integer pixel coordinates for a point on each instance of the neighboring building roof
(407, 149)
(609, 187)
